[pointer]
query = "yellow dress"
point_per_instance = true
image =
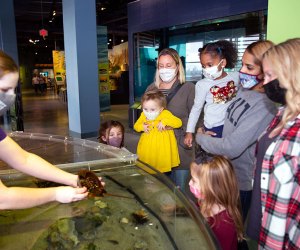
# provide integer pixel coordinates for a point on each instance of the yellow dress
(158, 148)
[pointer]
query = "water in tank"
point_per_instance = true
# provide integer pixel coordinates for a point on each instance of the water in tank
(141, 210)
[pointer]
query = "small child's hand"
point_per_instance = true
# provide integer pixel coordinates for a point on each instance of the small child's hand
(202, 131)
(146, 127)
(161, 127)
(188, 139)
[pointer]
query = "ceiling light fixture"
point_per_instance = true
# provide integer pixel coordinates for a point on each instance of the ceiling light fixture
(33, 41)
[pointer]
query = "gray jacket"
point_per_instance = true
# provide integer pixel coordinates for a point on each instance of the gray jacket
(246, 118)
(180, 106)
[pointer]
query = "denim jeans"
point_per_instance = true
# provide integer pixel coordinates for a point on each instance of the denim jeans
(180, 178)
(245, 202)
(218, 130)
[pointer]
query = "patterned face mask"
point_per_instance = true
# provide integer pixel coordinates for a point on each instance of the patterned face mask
(248, 81)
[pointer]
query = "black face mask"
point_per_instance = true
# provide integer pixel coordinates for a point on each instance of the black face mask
(274, 92)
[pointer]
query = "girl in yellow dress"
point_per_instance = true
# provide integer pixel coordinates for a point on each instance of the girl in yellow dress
(157, 145)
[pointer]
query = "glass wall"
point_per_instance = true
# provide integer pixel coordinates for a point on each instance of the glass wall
(187, 39)
(145, 54)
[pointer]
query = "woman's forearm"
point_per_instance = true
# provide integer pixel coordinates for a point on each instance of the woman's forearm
(19, 198)
(38, 167)
(31, 164)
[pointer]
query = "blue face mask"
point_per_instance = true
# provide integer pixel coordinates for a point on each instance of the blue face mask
(248, 81)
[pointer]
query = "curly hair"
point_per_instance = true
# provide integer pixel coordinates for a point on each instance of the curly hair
(284, 60)
(175, 56)
(221, 49)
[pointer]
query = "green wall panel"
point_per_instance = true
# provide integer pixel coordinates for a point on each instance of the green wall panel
(283, 20)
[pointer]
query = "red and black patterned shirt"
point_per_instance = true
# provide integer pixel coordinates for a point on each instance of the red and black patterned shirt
(280, 189)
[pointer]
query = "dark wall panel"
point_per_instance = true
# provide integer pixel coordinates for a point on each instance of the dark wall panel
(153, 14)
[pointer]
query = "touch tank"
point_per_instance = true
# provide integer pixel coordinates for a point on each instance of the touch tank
(141, 210)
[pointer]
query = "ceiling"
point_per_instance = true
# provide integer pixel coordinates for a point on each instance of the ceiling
(33, 15)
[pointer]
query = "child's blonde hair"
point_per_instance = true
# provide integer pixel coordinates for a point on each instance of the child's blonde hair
(219, 186)
(155, 95)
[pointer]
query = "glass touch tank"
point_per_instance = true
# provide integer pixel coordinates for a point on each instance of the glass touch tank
(140, 210)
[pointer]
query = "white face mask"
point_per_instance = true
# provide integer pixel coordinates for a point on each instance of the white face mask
(151, 115)
(212, 73)
(167, 75)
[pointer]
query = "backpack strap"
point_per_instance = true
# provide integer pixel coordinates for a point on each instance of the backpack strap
(173, 93)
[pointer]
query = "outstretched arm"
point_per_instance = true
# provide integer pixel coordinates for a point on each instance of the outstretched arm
(18, 198)
(31, 164)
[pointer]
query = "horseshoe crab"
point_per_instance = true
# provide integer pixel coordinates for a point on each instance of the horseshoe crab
(94, 186)
(91, 181)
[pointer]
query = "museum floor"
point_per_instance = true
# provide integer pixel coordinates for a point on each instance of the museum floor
(48, 114)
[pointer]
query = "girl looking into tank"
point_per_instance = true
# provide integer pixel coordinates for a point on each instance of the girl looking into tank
(215, 186)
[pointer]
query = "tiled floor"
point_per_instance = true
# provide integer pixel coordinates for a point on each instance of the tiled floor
(48, 114)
